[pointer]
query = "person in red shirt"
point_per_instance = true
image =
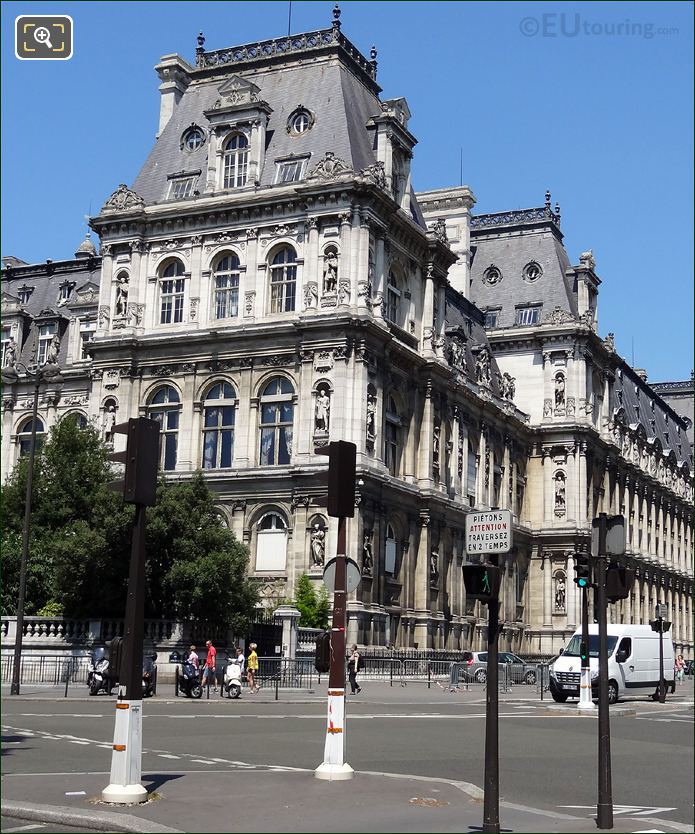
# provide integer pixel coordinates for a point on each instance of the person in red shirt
(210, 664)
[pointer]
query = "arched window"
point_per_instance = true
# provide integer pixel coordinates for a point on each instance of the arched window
(77, 418)
(283, 280)
(172, 286)
(277, 415)
(271, 543)
(392, 428)
(227, 286)
(236, 161)
(218, 433)
(393, 299)
(24, 435)
(165, 407)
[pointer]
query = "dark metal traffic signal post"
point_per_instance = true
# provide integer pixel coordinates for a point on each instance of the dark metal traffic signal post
(341, 505)
(139, 487)
(660, 625)
(582, 569)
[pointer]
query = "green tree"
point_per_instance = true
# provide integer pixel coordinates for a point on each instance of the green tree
(314, 607)
(81, 541)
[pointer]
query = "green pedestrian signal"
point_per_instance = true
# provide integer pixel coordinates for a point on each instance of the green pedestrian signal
(482, 582)
(582, 571)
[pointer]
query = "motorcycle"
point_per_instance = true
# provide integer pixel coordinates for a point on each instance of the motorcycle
(232, 678)
(149, 675)
(98, 673)
(189, 681)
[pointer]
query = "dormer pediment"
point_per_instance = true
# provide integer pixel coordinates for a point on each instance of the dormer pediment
(85, 296)
(237, 90)
(11, 305)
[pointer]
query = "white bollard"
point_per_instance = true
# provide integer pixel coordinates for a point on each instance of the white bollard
(126, 758)
(334, 766)
(586, 702)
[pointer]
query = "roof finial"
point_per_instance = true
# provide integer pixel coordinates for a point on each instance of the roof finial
(557, 213)
(373, 61)
(336, 16)
(201, 43)
(547, 199)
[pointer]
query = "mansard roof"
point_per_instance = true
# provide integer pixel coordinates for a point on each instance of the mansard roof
(321, 71)
(509, 241)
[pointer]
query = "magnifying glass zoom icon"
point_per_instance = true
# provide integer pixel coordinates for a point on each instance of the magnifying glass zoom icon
(42, 35)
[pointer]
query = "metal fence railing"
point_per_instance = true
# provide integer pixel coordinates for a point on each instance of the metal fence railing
(48, 670)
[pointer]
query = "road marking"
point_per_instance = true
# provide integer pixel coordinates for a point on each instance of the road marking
(202, 761)
(168, 756)
(76, 741)
(23, 828)
(631, 810)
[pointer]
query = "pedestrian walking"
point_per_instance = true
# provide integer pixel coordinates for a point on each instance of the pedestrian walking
(679, 668)
(210, 666)
(252, 668)
(193, 658)
(354, 666)
(241, 660)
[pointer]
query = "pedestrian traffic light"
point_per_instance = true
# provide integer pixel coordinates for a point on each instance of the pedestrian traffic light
(618, 582)
(660, 626)
(582, 570)
(322, 658)
(342, 457)
(141, 459)
(482, 582)
(584, 653)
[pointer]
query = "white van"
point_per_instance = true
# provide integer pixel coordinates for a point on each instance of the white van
(633, 663)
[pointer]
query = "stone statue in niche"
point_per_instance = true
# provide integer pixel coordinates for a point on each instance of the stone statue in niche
(457, 355)
(53, 351)
(318, 546)
(482, 367)
(434, 565)
(371, 417)
(322, 411)
(560, 491)
(330, 270)
(367, 555)
(122, 295)
(560, 592)
(559, 391)
(109, 422)
(311, 296)
(10, 357)
(436, 438)
(508, 387)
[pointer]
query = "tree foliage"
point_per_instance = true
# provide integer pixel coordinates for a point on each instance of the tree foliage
(81, 541)
(314, 607)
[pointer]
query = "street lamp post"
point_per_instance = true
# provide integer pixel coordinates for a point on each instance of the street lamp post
(50, 372)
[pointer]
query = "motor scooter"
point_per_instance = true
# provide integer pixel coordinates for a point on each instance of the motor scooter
(232, 678)
(149, 675)
(97, 672)
(189, 680)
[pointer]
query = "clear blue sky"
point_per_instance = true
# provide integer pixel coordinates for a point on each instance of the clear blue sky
(601, 117)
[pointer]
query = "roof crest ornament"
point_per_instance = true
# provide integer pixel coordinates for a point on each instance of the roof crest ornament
(330, 167)
(123, 199)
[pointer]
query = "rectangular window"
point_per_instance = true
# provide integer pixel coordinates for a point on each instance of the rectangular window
(289, 171)
(87, 329)
(491, 319)
(472, 474)
(390, 557)
(226, 296)
(181, 188)
(46, 334)
(528, 315)
(6, 337)
(391, 447)
(172, 298)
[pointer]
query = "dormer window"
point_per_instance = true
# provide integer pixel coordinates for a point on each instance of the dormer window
(24, 294)
(236, 161)
(290, 170)
(64, 292)
(181, 187)
(299, 122)
(192, 139)
(46, 333)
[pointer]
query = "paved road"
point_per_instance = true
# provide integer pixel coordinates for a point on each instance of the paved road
(547, 757)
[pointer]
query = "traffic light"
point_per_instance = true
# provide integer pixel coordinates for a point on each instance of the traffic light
(115, 658)
(322, 658)
(584, 653)
(482, 582)
(342, 458)
(141, 459)
(618, 582)
(660, 626)
(582, 570)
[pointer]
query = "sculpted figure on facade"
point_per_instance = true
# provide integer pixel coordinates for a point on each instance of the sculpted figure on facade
(330, 270)
(122, 288)
(434, 565)
(457, 355)
(311, 296)
(318, 546)
(482, 367)
(109, 421)
(436, 439)
(322, 410)
(10, 357)
(560, 502)
(367, 555)
(547, 408)
(559, 390)
(371, 417)
(560, 592)
(53, 350)
(508, 386)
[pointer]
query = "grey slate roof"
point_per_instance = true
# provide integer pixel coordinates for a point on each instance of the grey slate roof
(510, 242)
(340, 103)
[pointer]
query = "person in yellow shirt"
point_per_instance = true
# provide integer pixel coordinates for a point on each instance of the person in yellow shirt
(252, 668)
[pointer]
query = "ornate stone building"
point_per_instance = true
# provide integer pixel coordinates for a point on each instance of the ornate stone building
(271, 282)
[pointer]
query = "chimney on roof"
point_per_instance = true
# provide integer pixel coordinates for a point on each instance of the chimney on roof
(641, 373)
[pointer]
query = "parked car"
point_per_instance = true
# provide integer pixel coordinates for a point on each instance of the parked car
(519, 670)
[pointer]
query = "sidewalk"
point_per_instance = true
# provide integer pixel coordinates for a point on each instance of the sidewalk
(285, 800)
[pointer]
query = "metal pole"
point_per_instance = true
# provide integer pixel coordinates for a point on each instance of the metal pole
(585, 696)
(26, 534)
(491, 809)
(662, 682)
(131, 674)
(604, 809)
